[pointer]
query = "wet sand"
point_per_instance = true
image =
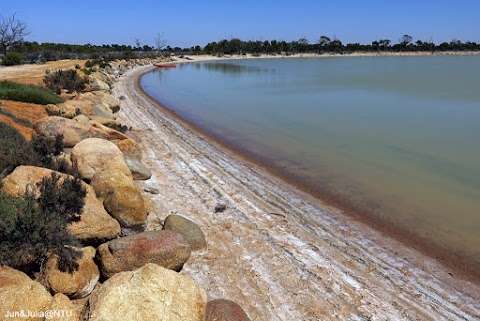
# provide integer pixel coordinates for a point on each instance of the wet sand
(279, 252)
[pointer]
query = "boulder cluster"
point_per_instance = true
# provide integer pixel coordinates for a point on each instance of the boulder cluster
(125, 272)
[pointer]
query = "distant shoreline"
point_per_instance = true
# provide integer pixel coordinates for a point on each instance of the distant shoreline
(192, 58)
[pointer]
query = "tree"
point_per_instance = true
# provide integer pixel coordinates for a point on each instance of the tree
(405, 40)
(324, 41)
(160, 42)
(384, 43)
(138, 44)
(12, 32)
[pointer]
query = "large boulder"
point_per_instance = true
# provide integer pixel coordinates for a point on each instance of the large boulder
(76, 285)
(102, 111)
(189, 230)
(102, 162)
(73, 131)
(101, 97)
(94, 225)
(67, 109)
(133, 158)
(224, 310)
(138, 169)
(121, 198)
(20, 294)
(149, 293)
(97, 84)
(62, 309)
(94, 155)
(79, 105)
(165, 248)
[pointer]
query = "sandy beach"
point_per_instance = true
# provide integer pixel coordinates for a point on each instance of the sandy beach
(280, 253)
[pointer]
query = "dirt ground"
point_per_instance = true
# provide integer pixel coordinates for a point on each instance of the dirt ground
(33, 74)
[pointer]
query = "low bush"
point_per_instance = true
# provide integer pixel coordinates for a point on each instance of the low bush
(15, 150)
(101, 63)
(12, 59)
(64, 197)
(47, 148)
(33, 228)
(28, 93)
(69, 80)
(118, 127)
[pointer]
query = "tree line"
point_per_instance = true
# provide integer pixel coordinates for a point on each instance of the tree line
(15, 49)
(335, 45)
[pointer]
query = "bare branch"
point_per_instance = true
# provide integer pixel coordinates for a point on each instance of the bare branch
(12, 32)
(160, 42)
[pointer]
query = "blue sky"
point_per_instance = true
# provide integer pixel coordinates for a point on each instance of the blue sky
(188, 22)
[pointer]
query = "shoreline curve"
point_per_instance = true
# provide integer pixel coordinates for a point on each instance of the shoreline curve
(278, 251)
(462, 266)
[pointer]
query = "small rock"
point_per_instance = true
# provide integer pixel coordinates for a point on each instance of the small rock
(151, 190)
(165, 248)
(225, 310)
(220, 207)
(189, 230)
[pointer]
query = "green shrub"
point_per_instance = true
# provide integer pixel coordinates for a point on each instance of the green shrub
(87, 71)
(16, 151)
(65, 197)
(12, 58)
(101, 63)
(118, 127)
(31, 229)
(64, 79)
(47, 148)
(27, 93)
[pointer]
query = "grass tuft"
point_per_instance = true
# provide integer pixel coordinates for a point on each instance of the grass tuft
(28, 93)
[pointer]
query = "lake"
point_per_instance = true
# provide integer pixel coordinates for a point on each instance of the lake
(394, 139)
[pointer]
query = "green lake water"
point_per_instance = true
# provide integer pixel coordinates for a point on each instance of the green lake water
(397, 138)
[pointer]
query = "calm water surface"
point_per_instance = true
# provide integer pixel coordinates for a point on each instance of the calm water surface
(395, 137)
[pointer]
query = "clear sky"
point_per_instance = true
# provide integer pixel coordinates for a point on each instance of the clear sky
(188, 22)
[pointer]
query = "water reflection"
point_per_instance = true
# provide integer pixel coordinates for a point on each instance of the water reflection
(230, 68)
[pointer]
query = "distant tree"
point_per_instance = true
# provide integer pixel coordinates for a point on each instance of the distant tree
(384, 43)
(160, 42)
(336, 45)
(405, 40)
(324, 41)
(138, 44)
(12, 32)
